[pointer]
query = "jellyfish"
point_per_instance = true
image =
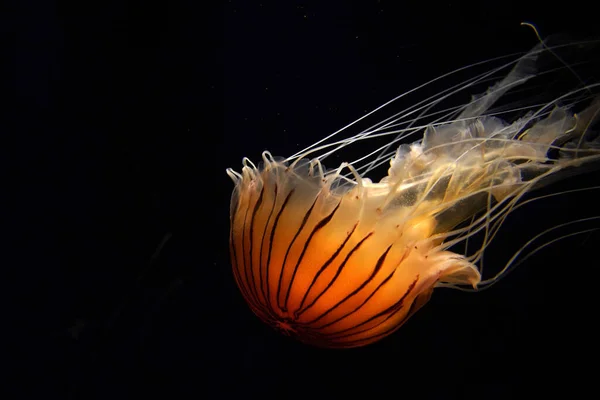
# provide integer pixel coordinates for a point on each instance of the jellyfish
(337, 260)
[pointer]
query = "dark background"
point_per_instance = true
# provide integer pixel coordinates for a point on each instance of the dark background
(124, 118)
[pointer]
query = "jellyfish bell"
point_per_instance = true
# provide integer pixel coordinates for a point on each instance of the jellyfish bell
(337, 260)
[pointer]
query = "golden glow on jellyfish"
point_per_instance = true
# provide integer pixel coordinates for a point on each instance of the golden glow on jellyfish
(337, 260)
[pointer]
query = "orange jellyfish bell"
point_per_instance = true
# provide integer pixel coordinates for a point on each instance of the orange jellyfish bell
(337, 260)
